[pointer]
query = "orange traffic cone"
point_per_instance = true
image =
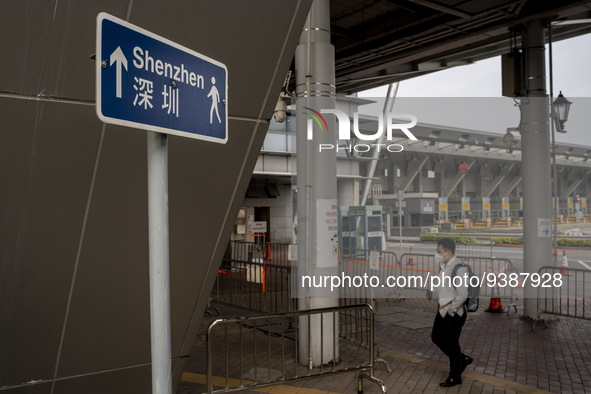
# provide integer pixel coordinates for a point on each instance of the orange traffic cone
(411, 260)
(495, 304)
(564, 267)
(268, 252)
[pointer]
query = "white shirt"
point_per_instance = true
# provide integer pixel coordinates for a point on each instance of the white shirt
(451, 299)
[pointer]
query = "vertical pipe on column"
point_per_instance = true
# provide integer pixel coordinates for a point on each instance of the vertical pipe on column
(388, 104)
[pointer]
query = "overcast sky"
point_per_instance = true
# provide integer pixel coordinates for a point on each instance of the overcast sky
(572, 76)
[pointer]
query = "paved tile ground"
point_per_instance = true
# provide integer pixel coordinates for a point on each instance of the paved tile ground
(508, 356)
(557, 359)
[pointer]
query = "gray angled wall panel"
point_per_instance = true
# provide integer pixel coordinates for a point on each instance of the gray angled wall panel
(73, 205)
(46, 162)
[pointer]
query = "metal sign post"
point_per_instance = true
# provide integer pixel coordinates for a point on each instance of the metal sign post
(148, 82)
(159, 262)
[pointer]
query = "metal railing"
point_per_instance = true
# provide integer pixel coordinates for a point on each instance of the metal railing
(249, 277)
(275, 253)
(563, 292)
(256, 286)
(475, 250)
(267, 350)
(256, 277)
(424, 265)
(358, 262)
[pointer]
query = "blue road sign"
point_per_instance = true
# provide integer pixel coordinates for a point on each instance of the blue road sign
(148, 82)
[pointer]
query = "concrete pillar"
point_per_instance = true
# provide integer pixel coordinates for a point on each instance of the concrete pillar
(388, 104)
(535, 142)
(419, 180)
(348, 192)
(317, 185)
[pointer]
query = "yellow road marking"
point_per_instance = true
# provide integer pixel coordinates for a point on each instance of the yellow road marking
(219, 381)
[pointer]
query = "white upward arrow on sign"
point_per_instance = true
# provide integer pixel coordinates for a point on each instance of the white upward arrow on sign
(119, 57)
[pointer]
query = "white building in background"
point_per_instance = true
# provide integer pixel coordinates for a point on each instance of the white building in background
(449, 175)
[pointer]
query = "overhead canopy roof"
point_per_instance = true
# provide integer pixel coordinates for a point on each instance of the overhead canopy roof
(382, 41)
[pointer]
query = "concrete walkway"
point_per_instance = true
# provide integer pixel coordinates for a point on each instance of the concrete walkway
(508, 356)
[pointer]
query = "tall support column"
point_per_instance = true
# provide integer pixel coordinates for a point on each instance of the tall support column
(317, 186)
(388, 104)
(535, 142)
(348, 192)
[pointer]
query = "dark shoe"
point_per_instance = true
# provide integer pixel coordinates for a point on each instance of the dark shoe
(467, 360)
(450, 382)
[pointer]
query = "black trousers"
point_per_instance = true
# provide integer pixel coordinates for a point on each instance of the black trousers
(446, 335)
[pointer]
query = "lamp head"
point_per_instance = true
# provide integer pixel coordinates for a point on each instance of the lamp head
(561, 108)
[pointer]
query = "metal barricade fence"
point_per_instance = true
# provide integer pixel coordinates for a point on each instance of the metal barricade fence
(563, 292)
(256, 277)
(416, 270)
(274, 253)
(488, 270)
(475, 250)
(412, 275)
(425, 265)
(265, 350)
(251, 279)
(355, 264)
(255, 286)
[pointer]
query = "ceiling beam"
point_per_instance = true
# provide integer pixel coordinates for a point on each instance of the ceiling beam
(442, 8)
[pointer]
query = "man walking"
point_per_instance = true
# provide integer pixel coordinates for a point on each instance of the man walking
(451, 311)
